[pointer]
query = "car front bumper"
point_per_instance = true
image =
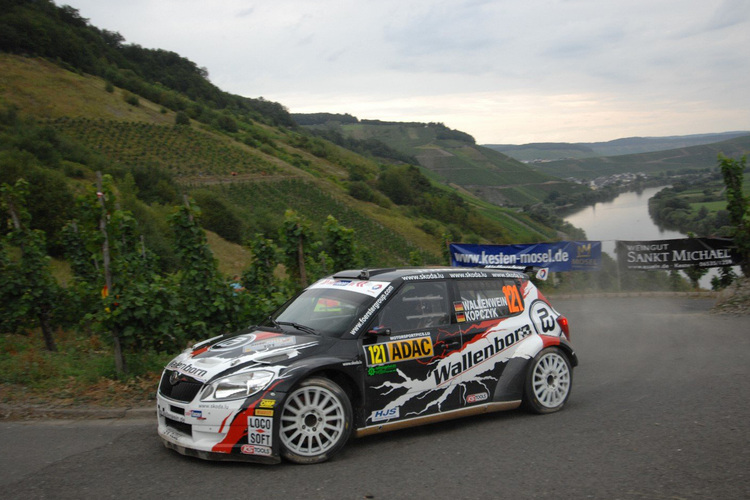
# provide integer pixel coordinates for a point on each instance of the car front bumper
(243, 430)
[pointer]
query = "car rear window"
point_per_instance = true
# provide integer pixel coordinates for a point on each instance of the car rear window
(487, 299)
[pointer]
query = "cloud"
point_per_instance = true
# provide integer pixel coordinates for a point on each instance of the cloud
(572, 70)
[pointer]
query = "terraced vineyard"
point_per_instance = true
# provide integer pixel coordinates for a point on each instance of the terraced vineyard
(482, 171)
(275, 196)
(182, 151)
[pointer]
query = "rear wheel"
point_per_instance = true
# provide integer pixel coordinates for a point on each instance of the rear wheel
(316, 421)
(548, 382)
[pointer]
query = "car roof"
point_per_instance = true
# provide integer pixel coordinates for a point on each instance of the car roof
(427, 273)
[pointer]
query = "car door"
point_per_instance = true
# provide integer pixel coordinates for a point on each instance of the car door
(493, 326)
(417, 332)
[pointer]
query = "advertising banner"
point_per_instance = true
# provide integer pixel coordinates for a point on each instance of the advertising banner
(676, 254)
(556, 257)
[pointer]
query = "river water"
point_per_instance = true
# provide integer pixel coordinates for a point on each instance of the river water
(625, 218)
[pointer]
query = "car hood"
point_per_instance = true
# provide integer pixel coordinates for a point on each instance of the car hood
(245, 350)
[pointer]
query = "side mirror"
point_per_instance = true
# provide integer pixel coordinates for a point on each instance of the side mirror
(379, 330)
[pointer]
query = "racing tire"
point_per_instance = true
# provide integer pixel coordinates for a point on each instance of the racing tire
(548, 382)
(315, 422)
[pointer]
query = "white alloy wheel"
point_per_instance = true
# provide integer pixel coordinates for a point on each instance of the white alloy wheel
(315, 421)
(549, 382)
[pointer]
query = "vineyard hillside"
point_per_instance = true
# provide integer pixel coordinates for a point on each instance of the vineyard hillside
(450, 156)
(254, 174)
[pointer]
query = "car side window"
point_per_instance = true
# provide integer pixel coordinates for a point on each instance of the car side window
(487, 299)
(415, 306)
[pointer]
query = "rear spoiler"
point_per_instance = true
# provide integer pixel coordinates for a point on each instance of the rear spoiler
(522, 269)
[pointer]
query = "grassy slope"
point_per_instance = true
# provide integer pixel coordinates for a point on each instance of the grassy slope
(80, 107)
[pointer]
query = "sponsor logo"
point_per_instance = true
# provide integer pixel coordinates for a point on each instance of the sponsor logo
(249, 449)
(214, 406)
(476, 398)
(543, 318)
(197, 414)
(473, 357)
(232, 343)
(187, 369)
(380, 415)
(371, 288)
(352, 363)
(260, 431)
(409, 335)
(271, 343)
(267, 403)
(425, 276)
(583, 250)
(264, 413)
(381, 370)
(470, 274)
(372, 310)
(400, 350)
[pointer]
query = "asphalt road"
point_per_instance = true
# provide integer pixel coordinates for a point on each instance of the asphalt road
(659, 410)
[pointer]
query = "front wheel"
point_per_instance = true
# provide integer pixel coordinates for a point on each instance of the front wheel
(316, 421)
(548, 382)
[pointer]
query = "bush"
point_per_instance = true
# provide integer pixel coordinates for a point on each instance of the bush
(181, 118)
(131, 99)
(361, 191)
(227, 124)
(218, 217)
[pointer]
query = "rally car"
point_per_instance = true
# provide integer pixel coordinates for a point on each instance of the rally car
(363, 352)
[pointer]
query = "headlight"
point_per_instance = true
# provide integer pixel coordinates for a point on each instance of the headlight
(237, 386)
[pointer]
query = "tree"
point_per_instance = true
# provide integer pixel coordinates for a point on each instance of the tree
(295, 234)
(725, 278)
(28, 292)
(340, 245)
(738, 207)
(207, 304)
(694, 274)
(265, 290)
(116, 275)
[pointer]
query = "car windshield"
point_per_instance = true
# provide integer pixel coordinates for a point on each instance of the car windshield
(323, 311)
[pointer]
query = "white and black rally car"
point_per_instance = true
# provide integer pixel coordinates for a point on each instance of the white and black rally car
(365, 352)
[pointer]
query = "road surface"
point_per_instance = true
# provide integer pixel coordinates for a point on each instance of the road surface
(659, 410)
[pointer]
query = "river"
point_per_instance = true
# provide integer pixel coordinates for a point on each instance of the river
(625, 218)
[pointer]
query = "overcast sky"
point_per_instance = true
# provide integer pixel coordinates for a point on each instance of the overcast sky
(505, 71)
